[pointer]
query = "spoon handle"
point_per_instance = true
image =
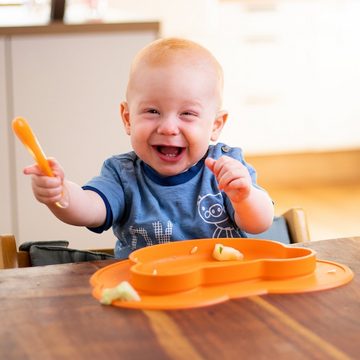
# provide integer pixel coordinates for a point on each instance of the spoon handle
(23, 131)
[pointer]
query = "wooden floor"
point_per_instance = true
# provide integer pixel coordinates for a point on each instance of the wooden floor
(332, 211)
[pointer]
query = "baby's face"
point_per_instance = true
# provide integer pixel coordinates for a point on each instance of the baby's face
(172, 113)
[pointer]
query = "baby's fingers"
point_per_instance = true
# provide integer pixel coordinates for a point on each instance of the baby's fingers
(46, 182)
(48, 199)
(33, 170)
(210, 163)
(48, 192)
(47, 189)
(238, 189)
(56, 168)
(236, 184)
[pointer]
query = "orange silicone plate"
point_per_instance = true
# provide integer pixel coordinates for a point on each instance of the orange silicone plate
(184, 274)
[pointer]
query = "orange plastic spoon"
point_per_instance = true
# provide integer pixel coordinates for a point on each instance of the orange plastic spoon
(24, 132)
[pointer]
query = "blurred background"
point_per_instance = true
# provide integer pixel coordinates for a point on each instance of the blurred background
(292, 85)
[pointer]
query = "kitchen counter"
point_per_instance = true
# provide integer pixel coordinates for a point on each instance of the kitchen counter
(61, 28)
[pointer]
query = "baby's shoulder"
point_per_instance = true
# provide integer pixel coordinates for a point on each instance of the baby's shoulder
(129, 157)
(120, 164)
(221, 149)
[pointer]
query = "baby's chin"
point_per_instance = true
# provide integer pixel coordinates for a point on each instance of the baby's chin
(170, 170)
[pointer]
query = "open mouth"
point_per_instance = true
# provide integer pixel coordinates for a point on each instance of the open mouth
(169, 151)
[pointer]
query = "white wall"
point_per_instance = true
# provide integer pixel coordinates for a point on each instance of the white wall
(292, 74)
(6, 205)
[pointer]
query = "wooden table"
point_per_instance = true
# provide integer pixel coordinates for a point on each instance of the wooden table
(49, 313)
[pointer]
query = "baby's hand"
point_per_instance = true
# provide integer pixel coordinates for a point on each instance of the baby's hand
(233, 177)
(47, 190)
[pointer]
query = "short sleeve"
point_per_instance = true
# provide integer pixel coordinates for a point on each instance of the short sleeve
(109, 187)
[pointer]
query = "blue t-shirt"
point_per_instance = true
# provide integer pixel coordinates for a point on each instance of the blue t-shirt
(144, 208)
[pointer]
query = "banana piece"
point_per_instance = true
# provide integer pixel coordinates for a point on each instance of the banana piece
(124, 292)
(223, 253)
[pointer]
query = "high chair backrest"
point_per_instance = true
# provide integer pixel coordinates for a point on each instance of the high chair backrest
(289, 228)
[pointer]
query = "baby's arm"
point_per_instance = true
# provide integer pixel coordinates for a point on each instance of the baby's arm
(254, 210)
(84, 208)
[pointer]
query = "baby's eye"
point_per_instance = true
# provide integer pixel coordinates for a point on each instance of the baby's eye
(188, 113)
(152, 111)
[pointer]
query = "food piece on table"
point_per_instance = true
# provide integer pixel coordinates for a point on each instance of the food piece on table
(222, 253)
(124, 292)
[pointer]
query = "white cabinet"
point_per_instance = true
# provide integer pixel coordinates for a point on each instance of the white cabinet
(69, 87)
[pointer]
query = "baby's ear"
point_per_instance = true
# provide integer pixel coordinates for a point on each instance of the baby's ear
(125, 116)
(218, 125)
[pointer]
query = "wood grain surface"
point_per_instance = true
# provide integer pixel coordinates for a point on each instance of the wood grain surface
(49, 313)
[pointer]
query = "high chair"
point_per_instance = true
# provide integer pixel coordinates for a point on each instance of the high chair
(45, 253)
(290, 227)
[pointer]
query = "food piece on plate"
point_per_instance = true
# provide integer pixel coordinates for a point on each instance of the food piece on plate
(194, 250)
(124, 292)
(222, 253)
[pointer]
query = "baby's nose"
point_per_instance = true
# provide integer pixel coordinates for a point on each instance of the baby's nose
(168, 125)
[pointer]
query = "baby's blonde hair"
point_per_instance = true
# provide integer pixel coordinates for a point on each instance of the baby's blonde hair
(165, 51)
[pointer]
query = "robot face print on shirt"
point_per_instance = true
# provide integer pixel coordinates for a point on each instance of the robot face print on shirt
(212, 210)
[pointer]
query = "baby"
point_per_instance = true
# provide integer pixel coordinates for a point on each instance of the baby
(173, 185)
